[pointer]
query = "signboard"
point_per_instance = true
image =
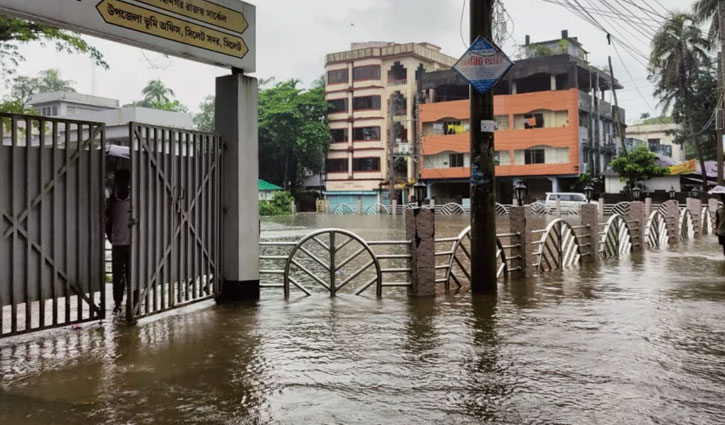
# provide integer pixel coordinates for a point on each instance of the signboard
(483, 65)
(218, 32)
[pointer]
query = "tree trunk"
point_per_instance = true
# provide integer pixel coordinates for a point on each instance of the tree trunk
(701, 159)
(286, 168)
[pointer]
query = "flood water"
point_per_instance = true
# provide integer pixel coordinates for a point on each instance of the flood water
(638, 340)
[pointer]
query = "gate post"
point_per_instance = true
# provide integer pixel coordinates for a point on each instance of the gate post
(523, 221)
(601, 209)
(637, 214)
(647, 208)
(672, 218)
(590, 217)
(712, 205)
(395, 207)
(694, 205)
(236, 122)
(420, 231)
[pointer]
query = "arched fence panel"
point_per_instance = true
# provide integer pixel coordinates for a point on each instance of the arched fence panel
(656, 230)
(501, 210)
(623, 209)
(687, 228)
(377, 209)
(343, 209)
(706, 221)
(559, 247)
(450, 209)
(539, 209)
(616, 237)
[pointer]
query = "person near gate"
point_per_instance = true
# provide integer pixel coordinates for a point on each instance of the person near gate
(720, 223)
(118, 230)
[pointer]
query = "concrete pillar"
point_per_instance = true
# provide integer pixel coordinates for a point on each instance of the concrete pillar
(601, 210)
(360, 206)
(420, 230)
(647, 208)
(636, 225)
(712, 205)
(672, 216)
(395, 206)
(553, 82)
(695, 207)
(557, 209)
(236, 122)
(523, 221)
(432, 203)
(590, 217)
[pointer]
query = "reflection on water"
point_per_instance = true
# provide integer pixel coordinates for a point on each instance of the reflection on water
(637, 340)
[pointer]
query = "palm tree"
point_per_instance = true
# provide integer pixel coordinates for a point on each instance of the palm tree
(679, 54)
(706, 10)
(50, 80)
(156, 92)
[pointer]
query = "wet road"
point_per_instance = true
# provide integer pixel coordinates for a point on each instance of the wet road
(636, 340)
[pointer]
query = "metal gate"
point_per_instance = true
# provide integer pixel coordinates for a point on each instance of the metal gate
(176, 202)
(52, 175)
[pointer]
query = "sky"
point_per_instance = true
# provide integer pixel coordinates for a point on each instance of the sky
(293, 37)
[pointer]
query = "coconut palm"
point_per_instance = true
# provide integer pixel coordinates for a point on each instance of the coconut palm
(679, 55)
(706, 10)
(156, 92)
(49, 80)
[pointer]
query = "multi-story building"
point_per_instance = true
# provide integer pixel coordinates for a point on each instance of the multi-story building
(372, 90)
(659, 138)
(553, 123)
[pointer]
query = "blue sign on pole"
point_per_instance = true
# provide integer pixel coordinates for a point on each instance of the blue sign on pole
(483, 65)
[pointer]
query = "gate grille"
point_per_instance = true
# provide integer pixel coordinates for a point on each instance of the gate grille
(51, 223)
(175, 248)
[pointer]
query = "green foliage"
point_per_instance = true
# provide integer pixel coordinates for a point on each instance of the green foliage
(158, 96)
(168, 105)
(664, 119)
(14, 31)
(583, 181)
(293, 132)
(23, 88)
(638, 165)
(281, 204)
(539, 50)
(204, 120)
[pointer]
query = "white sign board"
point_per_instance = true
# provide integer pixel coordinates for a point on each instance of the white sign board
(218, 32)
(483, 65)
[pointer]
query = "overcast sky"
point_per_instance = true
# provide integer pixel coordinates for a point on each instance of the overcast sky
(293, 37)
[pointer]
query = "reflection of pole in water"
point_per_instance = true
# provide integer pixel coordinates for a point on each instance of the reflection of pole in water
(421, 330)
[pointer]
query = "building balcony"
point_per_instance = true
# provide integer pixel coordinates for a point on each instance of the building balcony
(399, 82)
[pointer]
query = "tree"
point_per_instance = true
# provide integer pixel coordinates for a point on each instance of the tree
(23, 89)
(156, 91)
(678, 59)
(293, 132)
(704, 11)
(637, 166)
(204, 120)
(50, 81)
(14, 30)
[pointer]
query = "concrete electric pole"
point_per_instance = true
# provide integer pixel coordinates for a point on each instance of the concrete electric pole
(483, 190)
(719, 118)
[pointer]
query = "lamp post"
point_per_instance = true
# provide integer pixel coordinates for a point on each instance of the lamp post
(673, 193)
(520, 190)
(589, 192)
(419, 192)
(694, 192)
(636, 192)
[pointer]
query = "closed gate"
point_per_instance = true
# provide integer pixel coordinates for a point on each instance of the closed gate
(175, 200)
(52, 177)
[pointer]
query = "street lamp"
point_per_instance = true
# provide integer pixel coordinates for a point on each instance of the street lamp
(520, 190)
(636, 192)
(419, 192)
(589, 191)
(672, 192)
(694, 192)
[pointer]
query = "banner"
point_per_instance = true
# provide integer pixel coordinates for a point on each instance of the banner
(686, 167)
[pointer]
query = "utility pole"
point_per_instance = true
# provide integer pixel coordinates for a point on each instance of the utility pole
(391, 149)
(483, 189)
(719, 118)
(616, 116)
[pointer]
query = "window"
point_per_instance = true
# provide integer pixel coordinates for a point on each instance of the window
(653, 144)
(496, 158)
(533, 120)
(337, 165)
(366, 102)
(366, 164)
(502, 122)
(337, 76)
(366, 133)
(54, 111)
(455, 160)
(534, 156)
(338, 105)
(338, 135)
(501, 158)
(361, 73)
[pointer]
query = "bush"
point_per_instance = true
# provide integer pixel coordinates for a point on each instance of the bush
(281, 204)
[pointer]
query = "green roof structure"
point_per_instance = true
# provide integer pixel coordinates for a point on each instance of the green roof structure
(267, 186)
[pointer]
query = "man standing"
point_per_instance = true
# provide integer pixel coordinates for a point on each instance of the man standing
(720, 223)
(118, 231)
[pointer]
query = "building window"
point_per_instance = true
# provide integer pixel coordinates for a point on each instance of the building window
(338, 135)
(338, 76)
(534, 156)
(366, 164)
(397, 74)
(337, 105)
(366, 133)
(337, 165)
(496, 158)
(502, 122)
(455, 160)
(501, 158)
(366, 102)
(370, 72)
(653, 144)
(533, 120)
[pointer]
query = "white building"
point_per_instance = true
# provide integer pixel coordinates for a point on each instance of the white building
(657, 138)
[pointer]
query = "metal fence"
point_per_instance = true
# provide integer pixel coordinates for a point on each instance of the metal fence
(52, 204)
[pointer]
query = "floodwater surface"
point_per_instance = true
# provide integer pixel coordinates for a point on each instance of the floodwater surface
(637, 340)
